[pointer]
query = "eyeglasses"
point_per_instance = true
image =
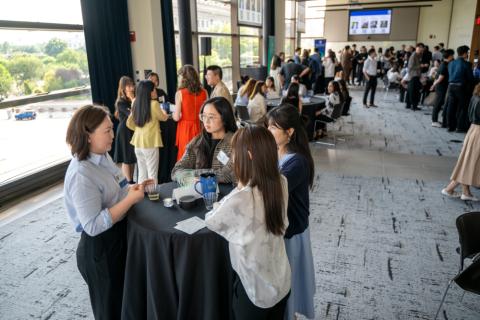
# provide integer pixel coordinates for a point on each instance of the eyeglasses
(207, 118)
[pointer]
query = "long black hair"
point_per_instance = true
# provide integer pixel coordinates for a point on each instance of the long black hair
(285, 117)
(141, 109)
(224, 108)
(292, 96)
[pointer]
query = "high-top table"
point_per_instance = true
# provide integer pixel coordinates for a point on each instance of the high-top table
(171, 274)
(309, 108)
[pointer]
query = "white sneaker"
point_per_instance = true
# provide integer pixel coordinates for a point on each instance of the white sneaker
(451, 195)
(468, 198)
(436, 124)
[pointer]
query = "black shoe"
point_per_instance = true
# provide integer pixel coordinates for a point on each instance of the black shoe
(450, 130)
(408, 107)
(416, 109)
(461, 131)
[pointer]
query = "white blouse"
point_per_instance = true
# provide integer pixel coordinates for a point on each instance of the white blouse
(257, 107)
(329, 67)
(276, 78)
(257, 256)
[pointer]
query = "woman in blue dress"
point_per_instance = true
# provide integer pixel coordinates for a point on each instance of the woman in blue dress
(296, 164)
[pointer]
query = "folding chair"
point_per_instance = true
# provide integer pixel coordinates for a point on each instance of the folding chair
(468, 226)
(336, 117)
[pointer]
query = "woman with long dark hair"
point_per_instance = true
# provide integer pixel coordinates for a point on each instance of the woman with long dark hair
(212, 148)
(188, 101)
(253, 219)
(293, 97)
(335, 98)
(296, 164)
(144, 121)
(275, 67)
(124, 152)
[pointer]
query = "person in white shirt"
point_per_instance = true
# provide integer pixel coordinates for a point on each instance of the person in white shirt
(393, 75)
(334, 99)
(370, 72)
(329, 63)
(302, 91)
(272, 89)
(257, 105)
(275, 68)
(253, 219)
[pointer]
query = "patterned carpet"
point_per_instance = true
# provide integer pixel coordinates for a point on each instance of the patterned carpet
(392, 128)
(388, 252)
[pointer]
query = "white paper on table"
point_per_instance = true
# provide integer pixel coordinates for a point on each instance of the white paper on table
(190, 225)
(306, 100)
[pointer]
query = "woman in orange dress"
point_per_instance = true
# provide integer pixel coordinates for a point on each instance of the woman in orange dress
(188, 101)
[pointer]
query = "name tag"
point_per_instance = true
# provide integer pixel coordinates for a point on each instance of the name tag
(123, 183)
(223, 158)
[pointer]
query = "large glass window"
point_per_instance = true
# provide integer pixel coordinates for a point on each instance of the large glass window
(314, 23)
(290, 27)
(51, 11)
(221, 56)
(34, 62)
(38, 65)
(249, 46)
(214, 16)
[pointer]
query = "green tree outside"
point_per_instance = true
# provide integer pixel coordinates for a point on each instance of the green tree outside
(55, 46)
(6, 82)
(25, 67)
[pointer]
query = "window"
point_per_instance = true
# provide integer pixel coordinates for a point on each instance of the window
(217, 16)
(218, 26)
(221, 56)
(51, 11)
(43, 78)
(34, 62)
(290, 27)
(314, 23)
(249, 46)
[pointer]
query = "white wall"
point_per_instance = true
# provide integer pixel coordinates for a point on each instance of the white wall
(433, 25)
(147, 51)
(463, 19)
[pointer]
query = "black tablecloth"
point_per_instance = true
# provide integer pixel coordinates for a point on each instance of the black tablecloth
(170, 274)
(308, 110)
(168, 154)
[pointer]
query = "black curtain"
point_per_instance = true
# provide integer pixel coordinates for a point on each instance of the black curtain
(169, 47)
(107, 40)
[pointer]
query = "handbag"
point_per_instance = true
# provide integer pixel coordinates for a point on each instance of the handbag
(430, 99)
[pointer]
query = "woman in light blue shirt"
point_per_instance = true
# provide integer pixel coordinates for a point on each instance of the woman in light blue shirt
(97, 198)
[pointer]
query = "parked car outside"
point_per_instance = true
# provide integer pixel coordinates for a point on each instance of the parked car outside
(26, 115)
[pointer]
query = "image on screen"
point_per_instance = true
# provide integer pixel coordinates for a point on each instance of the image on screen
(366, 22)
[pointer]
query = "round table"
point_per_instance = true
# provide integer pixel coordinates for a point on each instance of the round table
(171, 274)
(309, 109)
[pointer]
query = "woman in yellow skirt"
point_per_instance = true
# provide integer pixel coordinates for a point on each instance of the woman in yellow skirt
(467, 170)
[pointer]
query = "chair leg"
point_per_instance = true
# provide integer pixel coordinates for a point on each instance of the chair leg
(443, 299)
